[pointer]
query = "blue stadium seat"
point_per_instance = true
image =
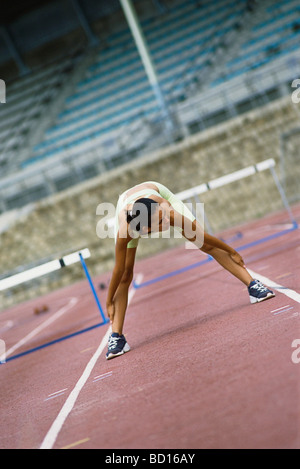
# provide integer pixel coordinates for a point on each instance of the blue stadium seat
(115, 89)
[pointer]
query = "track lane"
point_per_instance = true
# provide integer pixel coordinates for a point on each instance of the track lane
(206, 369)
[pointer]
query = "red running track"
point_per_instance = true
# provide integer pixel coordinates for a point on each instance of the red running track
(206, 369)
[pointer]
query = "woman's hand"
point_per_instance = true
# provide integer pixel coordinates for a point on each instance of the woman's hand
(236, 257)
(110, 307)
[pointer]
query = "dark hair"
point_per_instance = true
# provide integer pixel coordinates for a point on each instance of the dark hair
(144, 209)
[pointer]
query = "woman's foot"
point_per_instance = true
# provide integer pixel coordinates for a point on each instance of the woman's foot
(117, 345)
(258, 292)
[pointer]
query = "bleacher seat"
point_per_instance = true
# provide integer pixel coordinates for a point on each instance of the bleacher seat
(115, 88)
(114, 94)
(27, 99)
(271, 38)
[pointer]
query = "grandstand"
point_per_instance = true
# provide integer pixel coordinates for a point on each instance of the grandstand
(95, 109)
(81, 114)
(98, 96)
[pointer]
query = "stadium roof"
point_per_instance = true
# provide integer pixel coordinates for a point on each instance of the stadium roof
(11, 10)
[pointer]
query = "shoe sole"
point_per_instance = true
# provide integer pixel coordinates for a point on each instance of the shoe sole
(125, 349)
(253, 299)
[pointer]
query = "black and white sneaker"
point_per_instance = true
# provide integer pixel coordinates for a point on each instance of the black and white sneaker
(117, 345)
(258, 292)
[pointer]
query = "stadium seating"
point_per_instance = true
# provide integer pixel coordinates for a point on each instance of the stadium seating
(115, 88)
(28, 98)
(107, 112)
(275, 36)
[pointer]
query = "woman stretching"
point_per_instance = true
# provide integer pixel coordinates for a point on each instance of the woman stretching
(150, 208)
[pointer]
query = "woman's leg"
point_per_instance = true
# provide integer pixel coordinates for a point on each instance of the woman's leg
(224, 259)
(121, 295)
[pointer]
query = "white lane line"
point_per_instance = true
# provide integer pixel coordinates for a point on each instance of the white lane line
(42, 326)
(270, 283)
(100, 377)
(132, 291)
(54, 397)
(57, 392)
(282, 307)
(57, 425)
(283, 310)
(55, 428)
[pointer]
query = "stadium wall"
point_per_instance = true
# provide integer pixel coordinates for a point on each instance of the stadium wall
(67, 221)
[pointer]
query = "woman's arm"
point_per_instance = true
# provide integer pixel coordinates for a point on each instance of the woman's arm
(193, 232)
(211, 241)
